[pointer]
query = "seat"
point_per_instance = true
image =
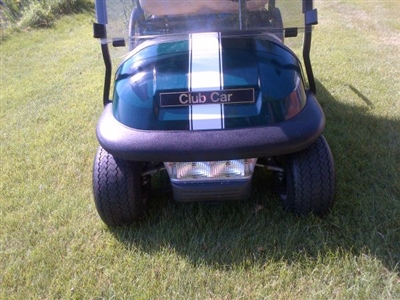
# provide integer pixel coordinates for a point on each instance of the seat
(187, 7)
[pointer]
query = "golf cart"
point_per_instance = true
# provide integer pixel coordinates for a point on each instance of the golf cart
(208, 91)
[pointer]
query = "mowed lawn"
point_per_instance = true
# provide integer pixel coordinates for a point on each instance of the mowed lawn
(53, 245)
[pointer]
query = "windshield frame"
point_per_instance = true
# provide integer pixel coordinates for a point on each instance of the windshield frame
(117, 29)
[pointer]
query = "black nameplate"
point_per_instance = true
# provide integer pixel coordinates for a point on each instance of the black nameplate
(233, 96)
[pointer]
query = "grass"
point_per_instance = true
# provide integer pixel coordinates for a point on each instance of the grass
(53, 244)
(38, 13)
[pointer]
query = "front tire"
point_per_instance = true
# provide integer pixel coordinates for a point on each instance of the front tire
(309, 181)
(119, 189)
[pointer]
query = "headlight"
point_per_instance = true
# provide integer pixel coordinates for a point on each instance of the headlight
(211, 170)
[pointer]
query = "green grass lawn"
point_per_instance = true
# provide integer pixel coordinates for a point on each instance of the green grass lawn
(53, 245)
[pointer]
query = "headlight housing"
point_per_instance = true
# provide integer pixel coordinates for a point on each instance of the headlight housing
(211, 170)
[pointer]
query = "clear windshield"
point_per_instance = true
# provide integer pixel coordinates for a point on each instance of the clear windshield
(130, 20)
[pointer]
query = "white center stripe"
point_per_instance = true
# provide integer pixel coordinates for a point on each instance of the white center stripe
(205, 75)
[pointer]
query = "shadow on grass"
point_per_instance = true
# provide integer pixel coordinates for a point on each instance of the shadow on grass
(365, 219)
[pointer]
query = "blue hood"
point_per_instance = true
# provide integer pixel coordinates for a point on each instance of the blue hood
(200, 82)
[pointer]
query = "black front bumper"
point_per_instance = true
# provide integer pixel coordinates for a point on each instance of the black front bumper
(150, 145)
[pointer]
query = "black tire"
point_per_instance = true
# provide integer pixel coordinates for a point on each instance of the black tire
(120, 191)
(309, 180)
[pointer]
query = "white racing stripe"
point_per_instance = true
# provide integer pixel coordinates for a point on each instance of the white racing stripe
(205, 74)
